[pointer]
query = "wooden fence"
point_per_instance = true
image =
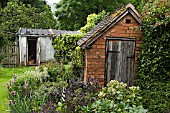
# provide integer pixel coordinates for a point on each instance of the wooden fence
(10, 55)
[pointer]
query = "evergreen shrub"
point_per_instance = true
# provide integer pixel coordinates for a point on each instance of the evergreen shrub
(153, 72)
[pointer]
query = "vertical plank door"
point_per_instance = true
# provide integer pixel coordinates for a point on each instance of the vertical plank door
(120, 61)
(38, 51)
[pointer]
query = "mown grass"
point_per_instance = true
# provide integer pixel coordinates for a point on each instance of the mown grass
(5, 75)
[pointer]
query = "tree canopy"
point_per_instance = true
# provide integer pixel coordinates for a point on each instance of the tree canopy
(34, 3)
(72, 14)
(92, 21)
(16, 15)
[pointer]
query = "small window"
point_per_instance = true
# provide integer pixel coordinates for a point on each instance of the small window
(128, 21)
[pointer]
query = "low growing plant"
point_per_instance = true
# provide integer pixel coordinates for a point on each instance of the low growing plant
(70, 99)
(116, 98)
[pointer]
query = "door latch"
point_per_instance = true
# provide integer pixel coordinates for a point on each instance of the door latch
(131, 56)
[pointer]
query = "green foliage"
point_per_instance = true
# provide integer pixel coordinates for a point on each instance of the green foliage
(153, 74)
(69, 55)
(70, 99)
(117, 99)
(23, 91)
(92, 21)
(5, 75)
(77, 63)
(16, 15)
(57, 71)
(68, 71)
(64, 46)
(3, 3)
(2, 57)
(41, 4)
(72, 14)
(10, 71)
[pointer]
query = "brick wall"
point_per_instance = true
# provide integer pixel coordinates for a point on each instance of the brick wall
(95, 56)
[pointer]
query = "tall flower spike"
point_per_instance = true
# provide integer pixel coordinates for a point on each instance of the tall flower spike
(10, 82)
(7, 86)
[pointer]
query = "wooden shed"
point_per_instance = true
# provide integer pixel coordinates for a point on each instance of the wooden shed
(35, 45)
(112, 47)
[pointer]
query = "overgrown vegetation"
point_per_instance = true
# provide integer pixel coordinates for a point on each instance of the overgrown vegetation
(35, 91)
(71, 15)
(16, 14)
(69, 55)
(153, 74)
(5, 75)
(25, 93)
(39, 91)
(64, 46)
(92, 21)
(116, 98)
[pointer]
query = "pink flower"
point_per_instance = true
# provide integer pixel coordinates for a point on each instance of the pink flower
(10, 81)
(26, 83)
(13, 92)
(25, 87)
(10, 102)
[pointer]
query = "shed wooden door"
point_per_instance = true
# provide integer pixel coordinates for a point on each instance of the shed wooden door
(38, 51)
(120, 61)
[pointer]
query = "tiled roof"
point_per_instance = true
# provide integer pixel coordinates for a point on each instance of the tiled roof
(106, 22)
(44, 32)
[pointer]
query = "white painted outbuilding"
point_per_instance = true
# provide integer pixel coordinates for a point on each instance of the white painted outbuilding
(35, 45)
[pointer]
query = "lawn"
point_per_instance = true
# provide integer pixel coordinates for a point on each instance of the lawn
(5, 75)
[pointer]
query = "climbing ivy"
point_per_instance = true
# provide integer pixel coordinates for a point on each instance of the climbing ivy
(153, 73)
(64, 46)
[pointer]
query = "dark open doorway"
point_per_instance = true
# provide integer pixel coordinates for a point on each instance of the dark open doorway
(32, 42)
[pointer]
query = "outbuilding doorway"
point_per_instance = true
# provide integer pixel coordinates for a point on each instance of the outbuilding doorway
(32, 42)
(33, 51)
(120, 60)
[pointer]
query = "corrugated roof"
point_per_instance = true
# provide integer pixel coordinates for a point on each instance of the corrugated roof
(44, 32)
(106, 22)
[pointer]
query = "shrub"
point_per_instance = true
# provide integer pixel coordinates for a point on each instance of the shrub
(24, 93)
(55, 70)
(92, 21)
(72, 98)
(70, 57)
(116, 98)
(64, 46)
(76, 66)
(65, 71)
(153, 73)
